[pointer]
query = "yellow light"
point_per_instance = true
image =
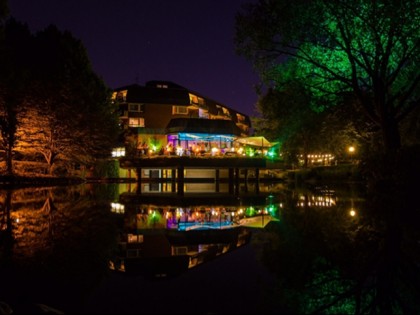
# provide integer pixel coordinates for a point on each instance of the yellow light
(117, 207)
(352, 213)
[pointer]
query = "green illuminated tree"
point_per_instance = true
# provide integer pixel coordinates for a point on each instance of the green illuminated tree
(367, 48)
(287, 118)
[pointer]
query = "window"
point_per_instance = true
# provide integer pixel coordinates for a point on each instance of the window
(181, 250)
(117, 152)
(241, 118)
(182, 110)
(122, 96)
(203, 113)
(136, 108)
(193, 99)
(221, 110)
(162, 86)
(136, 122)
(133, 238)
(114, 96)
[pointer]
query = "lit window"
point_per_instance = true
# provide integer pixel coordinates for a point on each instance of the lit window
(122, 96)
(133, 238)
(193, 99)
(241, 118)
(203, 113)
(182, 110)
(136, 122)
(221, 110)
(117, 152)
(162, 86)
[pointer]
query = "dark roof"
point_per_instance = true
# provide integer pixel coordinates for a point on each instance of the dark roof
(201, 125)
(155, 95)
(169, 84)
(172, 94)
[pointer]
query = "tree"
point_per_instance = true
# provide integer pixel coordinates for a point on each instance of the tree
(367, 48)
(14, 77)
(289, 120)
(69, 115)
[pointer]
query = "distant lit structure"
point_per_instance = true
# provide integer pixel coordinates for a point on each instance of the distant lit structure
(317, 159)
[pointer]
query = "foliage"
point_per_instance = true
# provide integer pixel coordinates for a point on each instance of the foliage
(368, 49)
(106, 169)
(64, 112)
(288, 119)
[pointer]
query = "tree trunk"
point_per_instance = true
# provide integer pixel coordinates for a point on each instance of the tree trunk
(391, 147)
(391, 137)
(50, 169)
(9, 160)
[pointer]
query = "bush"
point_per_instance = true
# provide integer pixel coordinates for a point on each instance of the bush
(106, 169)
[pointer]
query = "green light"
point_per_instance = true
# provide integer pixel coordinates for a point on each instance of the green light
(155, 144)
(250, 211)
(249, 151)
(154, 217)
(271, 209)
(271, 154)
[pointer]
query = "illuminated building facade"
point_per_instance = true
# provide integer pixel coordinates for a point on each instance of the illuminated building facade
(163, 117)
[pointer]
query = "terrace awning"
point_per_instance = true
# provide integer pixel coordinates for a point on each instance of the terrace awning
(259, 221)
(260, 142)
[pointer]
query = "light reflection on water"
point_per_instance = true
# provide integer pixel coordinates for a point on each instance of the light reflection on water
(37, 218)
(70, 238)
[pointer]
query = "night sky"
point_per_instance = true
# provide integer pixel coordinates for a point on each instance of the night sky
(134, 41)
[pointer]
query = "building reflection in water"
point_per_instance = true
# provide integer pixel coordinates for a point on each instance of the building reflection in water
(169, 234)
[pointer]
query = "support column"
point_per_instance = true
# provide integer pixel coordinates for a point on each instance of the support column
(246, 179)
(236, 181)
(257, 180)
(173, 179)
(138, 188)
(217, 180)
(180, 180)
(231, 180)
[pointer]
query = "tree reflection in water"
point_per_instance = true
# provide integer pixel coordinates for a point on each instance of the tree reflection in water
(357, 257)
(333, 251)
(53, 238)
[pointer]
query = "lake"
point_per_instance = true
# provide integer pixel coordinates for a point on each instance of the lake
(106, 248)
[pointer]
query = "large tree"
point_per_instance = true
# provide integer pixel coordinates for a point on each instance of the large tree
(69, 115)
(367, 48)
(52, 104)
